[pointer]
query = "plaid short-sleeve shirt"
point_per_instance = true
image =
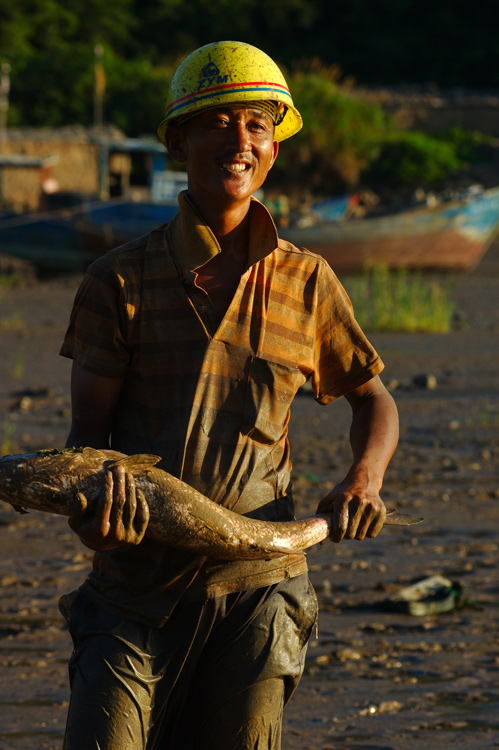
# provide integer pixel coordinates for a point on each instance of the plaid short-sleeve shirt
(211, 399)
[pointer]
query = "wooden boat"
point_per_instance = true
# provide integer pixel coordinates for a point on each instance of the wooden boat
(117, 222)
(69, 240)
(48, 241)
(452, 236)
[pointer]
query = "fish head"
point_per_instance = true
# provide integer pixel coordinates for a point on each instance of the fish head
(46, 471)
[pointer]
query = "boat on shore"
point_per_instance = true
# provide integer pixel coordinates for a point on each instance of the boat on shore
(451, 236)
(108, 226)
(68, 240)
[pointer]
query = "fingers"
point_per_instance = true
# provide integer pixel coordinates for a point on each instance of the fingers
(340, 522)
(377, 524)
(130, 511)
(116, 480)
(355, 518)
(77, 510)
(120, 515)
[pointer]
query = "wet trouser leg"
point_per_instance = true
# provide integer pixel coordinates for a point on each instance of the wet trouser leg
(215, 677)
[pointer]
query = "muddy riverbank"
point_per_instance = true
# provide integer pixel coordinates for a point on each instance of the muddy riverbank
(374, 680)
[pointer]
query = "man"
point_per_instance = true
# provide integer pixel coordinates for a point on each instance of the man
(190, 343)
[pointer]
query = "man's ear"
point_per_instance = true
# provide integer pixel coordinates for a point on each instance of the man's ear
(174, 139)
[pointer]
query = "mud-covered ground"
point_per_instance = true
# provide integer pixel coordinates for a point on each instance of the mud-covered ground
(374, 679)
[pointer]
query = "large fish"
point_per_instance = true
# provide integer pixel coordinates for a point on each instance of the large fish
(180, 516)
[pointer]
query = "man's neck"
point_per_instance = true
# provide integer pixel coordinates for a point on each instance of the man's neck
(229, 224)
(220, 276)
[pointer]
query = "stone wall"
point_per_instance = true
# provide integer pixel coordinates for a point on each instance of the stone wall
(20, 188)
(76, 167)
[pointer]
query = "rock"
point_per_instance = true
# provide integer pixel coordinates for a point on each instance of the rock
(459, 320)
(392, 385)
(426, 380)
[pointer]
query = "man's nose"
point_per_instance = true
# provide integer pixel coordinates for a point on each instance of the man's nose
(239, 138)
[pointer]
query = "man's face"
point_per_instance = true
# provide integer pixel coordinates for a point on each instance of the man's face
(227, 151)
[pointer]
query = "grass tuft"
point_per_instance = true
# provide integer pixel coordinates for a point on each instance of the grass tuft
(6, 438)
(11, 280)
(396, 300)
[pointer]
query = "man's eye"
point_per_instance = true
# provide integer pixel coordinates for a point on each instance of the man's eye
(219, 122)
(259, 126)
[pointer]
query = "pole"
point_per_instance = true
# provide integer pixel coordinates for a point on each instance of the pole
(4, 98)
(100, 86)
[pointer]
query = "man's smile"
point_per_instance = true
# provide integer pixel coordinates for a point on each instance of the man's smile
(235, 166)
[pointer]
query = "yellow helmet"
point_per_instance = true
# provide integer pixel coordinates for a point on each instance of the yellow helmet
(228, 73)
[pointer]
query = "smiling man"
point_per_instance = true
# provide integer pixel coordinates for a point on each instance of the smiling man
(190, 343)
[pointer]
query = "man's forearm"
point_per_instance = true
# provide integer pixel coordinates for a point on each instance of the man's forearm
(374, 432)
(355, 503)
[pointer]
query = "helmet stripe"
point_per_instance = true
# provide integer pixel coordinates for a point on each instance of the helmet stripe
(233, 87)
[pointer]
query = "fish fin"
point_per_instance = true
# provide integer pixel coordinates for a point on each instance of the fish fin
(394, 518)
(137, 461)
(94, 452)
(19, 509)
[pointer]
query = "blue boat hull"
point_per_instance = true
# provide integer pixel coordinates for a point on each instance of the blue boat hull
(452, 236)
(68, 240)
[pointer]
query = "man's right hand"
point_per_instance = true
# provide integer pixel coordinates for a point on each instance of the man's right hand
(119, 517)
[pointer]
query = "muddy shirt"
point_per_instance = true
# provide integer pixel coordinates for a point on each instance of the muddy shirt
(212, 401)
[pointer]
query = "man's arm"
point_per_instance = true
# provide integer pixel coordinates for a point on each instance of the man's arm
(93, 402)
(355, 503)
(121, 513)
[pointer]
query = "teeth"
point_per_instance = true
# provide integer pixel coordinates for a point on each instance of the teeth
(234, 166)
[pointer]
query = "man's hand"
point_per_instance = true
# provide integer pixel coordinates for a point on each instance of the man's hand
(120, 516)
(357, 509)
(355, 505)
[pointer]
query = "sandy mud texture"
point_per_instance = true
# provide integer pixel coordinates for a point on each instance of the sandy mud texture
(374, 679)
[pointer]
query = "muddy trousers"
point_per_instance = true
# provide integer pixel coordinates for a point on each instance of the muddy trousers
(215, 677)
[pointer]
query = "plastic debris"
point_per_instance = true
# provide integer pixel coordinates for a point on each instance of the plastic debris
(429, 596)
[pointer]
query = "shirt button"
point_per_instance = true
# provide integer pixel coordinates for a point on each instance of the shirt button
(244, 478)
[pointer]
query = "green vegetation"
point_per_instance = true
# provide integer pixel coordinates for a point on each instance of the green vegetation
(342, 134)
(385, 42)
(397, 300)
(19, 365)
(488, 416)
(14, 320)
(414, 158)
(10, 280)
(9, 429)
(346, 142)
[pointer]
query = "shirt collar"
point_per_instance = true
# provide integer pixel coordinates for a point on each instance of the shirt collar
(194, 243)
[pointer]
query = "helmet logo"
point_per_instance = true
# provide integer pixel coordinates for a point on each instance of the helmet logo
(210, 75)
(210, 70)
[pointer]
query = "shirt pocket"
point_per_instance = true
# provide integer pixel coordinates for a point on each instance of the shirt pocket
(271, 388)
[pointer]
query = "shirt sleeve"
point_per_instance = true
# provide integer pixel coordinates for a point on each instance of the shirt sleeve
(344, 358)
(98, 336)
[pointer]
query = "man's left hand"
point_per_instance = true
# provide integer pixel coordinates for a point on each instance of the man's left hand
(357, 509)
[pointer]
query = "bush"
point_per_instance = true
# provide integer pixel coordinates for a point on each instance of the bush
(347, 141)
(340, 139)
(414, 159)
